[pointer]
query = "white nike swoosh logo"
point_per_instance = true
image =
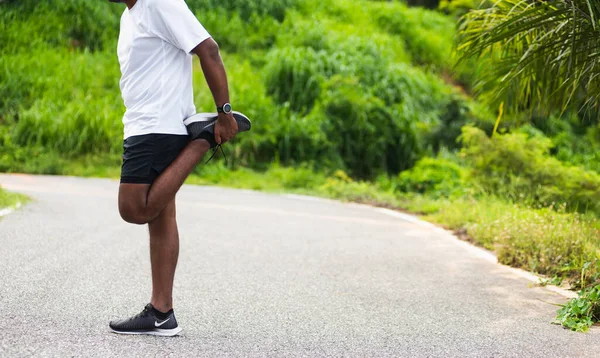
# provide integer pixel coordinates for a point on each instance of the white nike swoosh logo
(156, 324)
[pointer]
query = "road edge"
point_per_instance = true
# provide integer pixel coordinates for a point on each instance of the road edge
(10, 210)
(476, 250)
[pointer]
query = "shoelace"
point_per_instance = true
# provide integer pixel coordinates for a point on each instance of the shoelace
(144, 313)
(215, 153)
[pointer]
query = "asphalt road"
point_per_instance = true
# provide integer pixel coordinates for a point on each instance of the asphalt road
(261, 275)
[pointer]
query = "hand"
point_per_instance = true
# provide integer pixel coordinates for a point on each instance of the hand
(225, 128)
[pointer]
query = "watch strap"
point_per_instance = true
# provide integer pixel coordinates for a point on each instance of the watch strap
(222, 108)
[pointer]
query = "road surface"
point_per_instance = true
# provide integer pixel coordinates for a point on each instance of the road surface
(261, 275)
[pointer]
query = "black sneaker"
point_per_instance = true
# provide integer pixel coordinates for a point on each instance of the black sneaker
(146, 322)
(202, 125)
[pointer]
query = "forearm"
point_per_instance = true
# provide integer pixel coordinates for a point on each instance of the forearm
(214, 71)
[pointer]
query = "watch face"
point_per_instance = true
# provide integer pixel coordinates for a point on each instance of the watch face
(227, 108)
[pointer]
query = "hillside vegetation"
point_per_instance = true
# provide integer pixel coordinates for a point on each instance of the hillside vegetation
(351, 99)
(303, 70)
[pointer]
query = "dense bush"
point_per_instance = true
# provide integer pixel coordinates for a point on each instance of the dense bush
(370, 136)
(520, 167)
(28, 24)
(299, 31)
(58, 107)
(239, 34)
(574, 140)
(296, 75)
(404, 83)
(435, 177)
(427, 35)
(245, 8)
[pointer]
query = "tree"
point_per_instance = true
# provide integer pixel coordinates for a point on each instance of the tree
(535, 54)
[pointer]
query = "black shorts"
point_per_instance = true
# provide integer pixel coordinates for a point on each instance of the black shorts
(146, 156)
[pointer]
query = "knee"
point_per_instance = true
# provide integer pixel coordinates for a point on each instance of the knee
(133, 216)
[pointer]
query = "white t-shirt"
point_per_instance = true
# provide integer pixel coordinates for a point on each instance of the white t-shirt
(154, 48)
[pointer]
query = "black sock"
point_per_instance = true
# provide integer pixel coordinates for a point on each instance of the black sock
(161, 315)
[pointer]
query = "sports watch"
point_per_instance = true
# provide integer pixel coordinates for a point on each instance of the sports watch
(225, 109)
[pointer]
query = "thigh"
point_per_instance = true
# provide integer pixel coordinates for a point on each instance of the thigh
(132, 201)
(167, 147)
(146, 156)
(139, 155)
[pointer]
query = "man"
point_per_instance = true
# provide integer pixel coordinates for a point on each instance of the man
(156, 43)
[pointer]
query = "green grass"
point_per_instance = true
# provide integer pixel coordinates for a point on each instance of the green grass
(10, 200)
(544, 241)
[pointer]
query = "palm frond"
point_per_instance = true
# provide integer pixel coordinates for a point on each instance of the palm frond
(542, 54)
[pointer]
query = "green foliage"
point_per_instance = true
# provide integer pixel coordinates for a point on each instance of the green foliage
(296, 75)
(580, 313)
(434, 177)
(574, 140)
(8, 200)
(455, 114)
(77, 118)
(35, 160)
(519, 167)
(27, 25)
(458, 8)
(370, 136)
(341, 186)
(275, 178)
(427, 35)
(240, 34)
(420, 90)
(439, 110)
(299, 31)
(544, 53)
(245, 8)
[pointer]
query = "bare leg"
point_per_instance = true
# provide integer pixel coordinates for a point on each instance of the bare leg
(141, 203)
(164, 251)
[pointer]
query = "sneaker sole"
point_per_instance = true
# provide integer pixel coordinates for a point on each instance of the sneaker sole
(244, 123)
(154, 332)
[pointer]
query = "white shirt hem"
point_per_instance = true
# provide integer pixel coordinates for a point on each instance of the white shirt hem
(153, 131)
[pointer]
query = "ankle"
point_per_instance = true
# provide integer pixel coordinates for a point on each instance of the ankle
(161, 306)
(162, 315)
(200, 144)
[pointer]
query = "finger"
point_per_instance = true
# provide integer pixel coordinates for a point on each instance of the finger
(218, 138)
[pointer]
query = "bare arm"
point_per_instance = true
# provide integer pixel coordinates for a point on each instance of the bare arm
(216, 78)
(214, 70)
